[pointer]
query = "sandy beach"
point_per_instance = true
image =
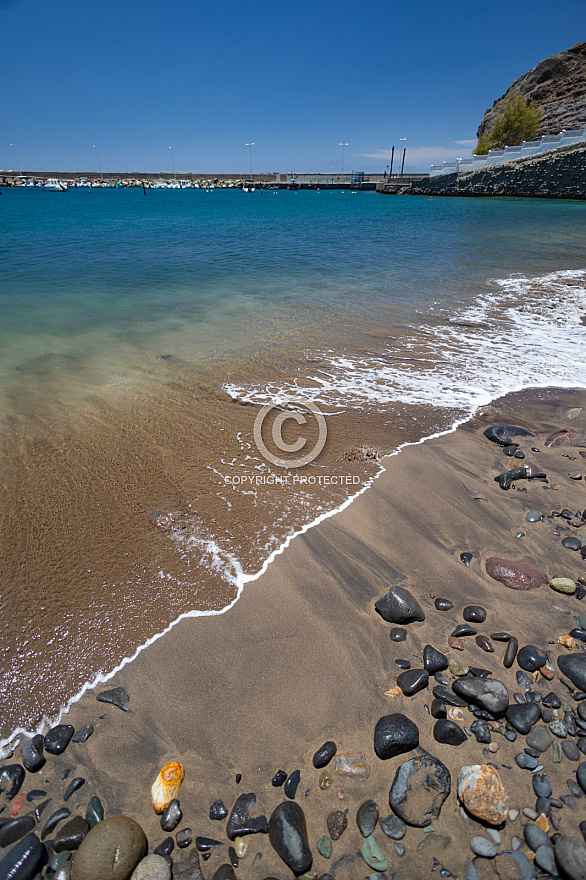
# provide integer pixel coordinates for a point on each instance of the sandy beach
(303, 658)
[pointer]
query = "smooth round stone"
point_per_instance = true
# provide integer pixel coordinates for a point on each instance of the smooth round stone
(172, 816)
(399, 849)
(574, 788)
(398, 634)
(484, 643)
(489, 694)
(324, 754)
(24, 859)
(325, 846)
(443, 604)
(373, 856)
(571, 543)
(15, 829)
(111, 851)
(525, 761)
(539, 739)
(403, 664)
(466, 558)
(570, 857)
(531, 658)
(533, 516)
(463, 629)
(448, 732)
(367, 817)
(545, 859)
(541, 785)
(153, 867)
(571, 750)
(563, 585)
(71, 835)
(500, 636)
(482, 847)
(559, 728)
(288, 836)
(412, 681)
(552, 701)
(474, 614)
(535, 837)
(395, 734)
(393, 827)
(292, 784)
(573, 666)
(578, 633)
(277, 781)
(510, 652)
(58, 738)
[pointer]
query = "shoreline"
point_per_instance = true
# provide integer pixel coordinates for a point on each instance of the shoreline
(242, 578)
(302, 657)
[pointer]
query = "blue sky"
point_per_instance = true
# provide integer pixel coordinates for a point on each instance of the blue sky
(135, 78)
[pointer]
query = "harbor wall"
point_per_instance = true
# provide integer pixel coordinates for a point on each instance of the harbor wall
(559, 174)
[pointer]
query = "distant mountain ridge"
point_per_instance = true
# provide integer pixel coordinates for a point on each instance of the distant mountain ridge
(557, 85)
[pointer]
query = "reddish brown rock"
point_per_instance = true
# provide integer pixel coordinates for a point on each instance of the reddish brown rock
(482, 793)
(566, 437)
(522, 574)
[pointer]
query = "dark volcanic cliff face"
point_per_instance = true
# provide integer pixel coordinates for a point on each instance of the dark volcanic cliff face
(558, 87)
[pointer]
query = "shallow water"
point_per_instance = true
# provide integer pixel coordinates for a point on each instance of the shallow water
(141, 335)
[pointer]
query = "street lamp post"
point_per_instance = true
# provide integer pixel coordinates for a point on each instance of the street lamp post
(173, 163)
(99, 166)
(404, 151)
(343, 148)
(250, 146)
(16, 159)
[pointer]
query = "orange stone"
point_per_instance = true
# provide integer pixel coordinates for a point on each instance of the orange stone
(547, 673)
(17, 804)
(456, 643)
(567, 642)
(542, 822)
(166, 786)
(481, 791)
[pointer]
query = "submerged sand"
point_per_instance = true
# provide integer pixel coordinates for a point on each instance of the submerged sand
(302, 657)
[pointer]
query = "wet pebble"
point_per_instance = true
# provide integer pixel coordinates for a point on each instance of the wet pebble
(58, 738)
(325, 847)
(539, 738)
(277, 781)
(71, 835)
(398, 634)
(184, 838)
(153, 867)
(53, 821)
(83, 734)
(531, 658)
(500, 636)
(292, 783)
(218, 810)
(399, 606)
(474, 614)
(336, 823)
(433, 660)
(571, 750)
(116, 697)
(324, 754)
(395, 734)
(443, 604)
(448, 733)
(412, 681)
(171, 816)
(33, 756)
(523, 717)
(166, 847)
(367, 817)
(484, 643)
(288, 836)
(510, 652)
(571, 543)
(73, 786)
(462, 630)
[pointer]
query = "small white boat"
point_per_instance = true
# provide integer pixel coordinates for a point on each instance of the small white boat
(248, 186)
(54, 185)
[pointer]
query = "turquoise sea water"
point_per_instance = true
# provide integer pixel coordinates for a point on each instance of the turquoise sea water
(139, 336)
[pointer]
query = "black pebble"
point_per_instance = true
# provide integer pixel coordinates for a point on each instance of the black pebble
(481, 731)
(165, 848)
(511, 652)
(35, 794)
(433, 660)
(218, 810)
(54, 820)
(291, 784)
(530, 658)
(500, 637)
(58, 738)
(13, 775)
(394, 735)
(576, 633)
(232, 856)
(438, 709)
(448, 732)
(443, 604)
(325, 753)
(73, 786)
(484, 643)
(171, 816)
(116, 697)
(71, 834)
(32, 754)
(572, 543)
(403, 664)
(15, 829)
(238, 778)
(203, 844)
(83, 734)
(412, 681)
(463, 629)
(398, 634)
(474, 614)
(278, 779)
(466, 558)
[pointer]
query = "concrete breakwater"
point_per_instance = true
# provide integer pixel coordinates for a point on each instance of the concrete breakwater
(557, 175)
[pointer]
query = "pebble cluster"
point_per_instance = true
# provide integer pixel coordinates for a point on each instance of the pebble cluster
(544, 717)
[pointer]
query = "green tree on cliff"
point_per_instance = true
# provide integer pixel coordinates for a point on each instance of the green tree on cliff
(516, 122)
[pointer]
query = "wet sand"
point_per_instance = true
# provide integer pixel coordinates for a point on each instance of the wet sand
(302, 657)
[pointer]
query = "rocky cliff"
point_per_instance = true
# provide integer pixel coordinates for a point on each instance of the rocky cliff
(558, 87)
(559, 174)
